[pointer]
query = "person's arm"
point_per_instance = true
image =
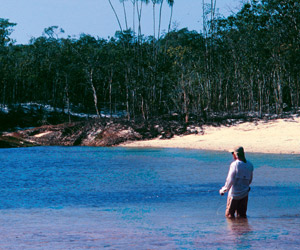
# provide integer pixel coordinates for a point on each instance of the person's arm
(229, 180)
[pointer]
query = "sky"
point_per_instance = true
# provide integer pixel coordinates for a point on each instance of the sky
(96, 18)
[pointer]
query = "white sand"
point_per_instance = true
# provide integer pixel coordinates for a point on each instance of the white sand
(280, 136)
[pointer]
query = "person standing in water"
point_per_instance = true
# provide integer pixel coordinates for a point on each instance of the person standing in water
(237, 184)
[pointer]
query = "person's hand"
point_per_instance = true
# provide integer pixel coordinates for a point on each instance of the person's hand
(222, 191)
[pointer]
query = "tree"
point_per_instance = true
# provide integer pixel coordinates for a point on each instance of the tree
(5, 31)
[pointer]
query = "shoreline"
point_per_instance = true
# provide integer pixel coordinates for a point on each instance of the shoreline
(280, 136)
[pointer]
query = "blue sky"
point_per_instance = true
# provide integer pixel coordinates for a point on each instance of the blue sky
(95, 17)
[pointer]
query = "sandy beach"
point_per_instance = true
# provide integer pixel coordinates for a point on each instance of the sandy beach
(281, 136)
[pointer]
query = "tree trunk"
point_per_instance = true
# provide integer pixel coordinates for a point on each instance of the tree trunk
(185, 106)
(142, 108)
(133, 15)
(120, 26)
(110, 92)
(170, 20)
(277, 92)
(67, 97)
(159, 24)
(185, 99)
(125, 15)
(139, 13)
(127, 104)
(260, 97)
(153, 20)
(94, 93)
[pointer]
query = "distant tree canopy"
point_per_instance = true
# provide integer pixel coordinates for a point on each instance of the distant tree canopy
(248, 62)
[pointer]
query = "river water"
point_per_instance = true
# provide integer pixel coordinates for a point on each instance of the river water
(119, 198)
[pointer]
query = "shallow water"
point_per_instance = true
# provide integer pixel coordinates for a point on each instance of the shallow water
(118, 198)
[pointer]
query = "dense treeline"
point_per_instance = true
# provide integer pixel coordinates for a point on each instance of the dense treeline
(246, 62)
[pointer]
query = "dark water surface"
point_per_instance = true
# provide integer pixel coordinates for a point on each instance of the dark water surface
(118, 198)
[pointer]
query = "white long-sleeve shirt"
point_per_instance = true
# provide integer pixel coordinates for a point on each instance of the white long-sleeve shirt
(238, 179)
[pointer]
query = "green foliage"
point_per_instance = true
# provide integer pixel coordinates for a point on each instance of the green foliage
(5, 31)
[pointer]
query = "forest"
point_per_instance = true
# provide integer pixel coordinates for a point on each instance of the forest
(247, 62)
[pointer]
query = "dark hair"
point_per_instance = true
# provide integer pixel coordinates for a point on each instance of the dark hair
(240, 154)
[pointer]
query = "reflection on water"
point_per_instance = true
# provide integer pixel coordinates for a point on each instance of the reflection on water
(240, 233)
(238, 226)
(95, 198)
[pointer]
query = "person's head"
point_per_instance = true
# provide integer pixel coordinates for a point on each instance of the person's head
(238, 153)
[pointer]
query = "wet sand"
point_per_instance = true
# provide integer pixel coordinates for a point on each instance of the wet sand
(281, 136)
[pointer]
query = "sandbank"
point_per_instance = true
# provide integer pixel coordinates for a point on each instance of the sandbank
(280, 136)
